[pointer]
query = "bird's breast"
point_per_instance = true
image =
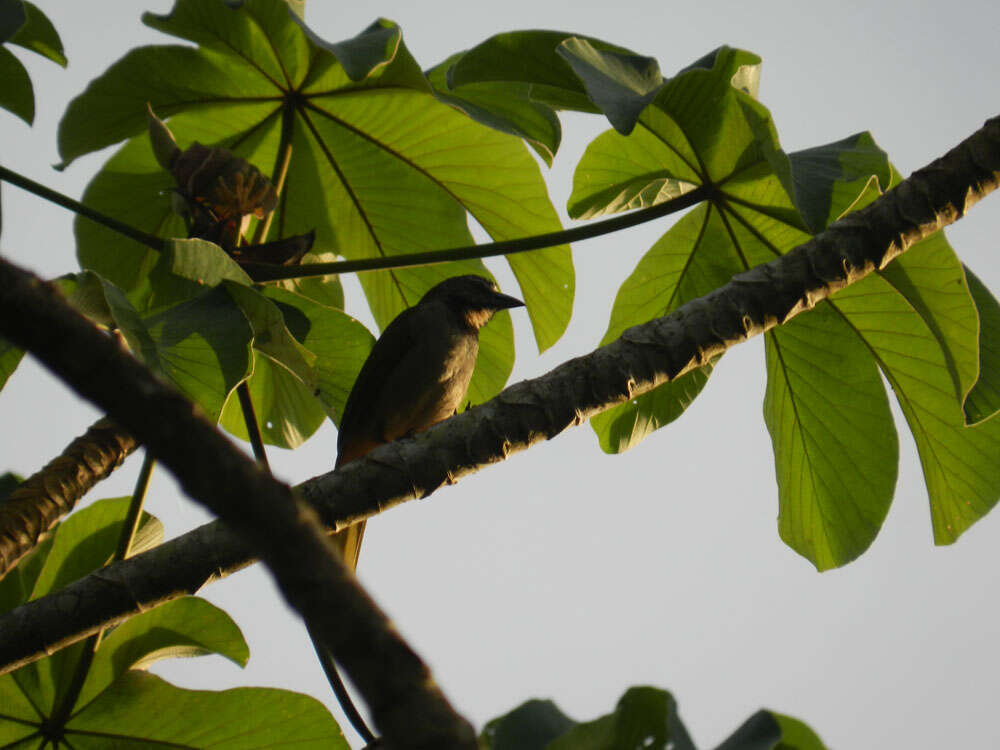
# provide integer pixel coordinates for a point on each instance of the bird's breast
(432, 385)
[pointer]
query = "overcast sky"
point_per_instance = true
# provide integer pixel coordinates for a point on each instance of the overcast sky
(568, 574)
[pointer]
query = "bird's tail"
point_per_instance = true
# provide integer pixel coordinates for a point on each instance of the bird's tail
(348, 542)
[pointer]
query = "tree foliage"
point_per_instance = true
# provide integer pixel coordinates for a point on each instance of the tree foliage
(369, 156)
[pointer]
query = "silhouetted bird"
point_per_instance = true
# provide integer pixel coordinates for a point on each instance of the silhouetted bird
(417, 373)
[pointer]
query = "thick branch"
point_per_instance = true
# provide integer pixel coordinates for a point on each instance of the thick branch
(31, 510)
(531, 411)
(408, 708)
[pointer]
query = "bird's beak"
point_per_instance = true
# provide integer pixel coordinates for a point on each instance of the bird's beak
(504, 301)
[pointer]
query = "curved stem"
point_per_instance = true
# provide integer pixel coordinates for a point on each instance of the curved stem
(339, 689)
(149, 240)
(134, 514)
(278, 177)
(261, 272)
(253, 428)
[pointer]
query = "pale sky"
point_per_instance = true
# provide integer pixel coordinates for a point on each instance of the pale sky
(568, 574)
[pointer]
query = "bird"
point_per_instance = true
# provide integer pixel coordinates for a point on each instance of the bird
(416, 374)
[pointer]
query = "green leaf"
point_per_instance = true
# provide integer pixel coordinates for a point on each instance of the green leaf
(10, 358)
(131, 187)
(507, 107)
(203, 347)
(284, 383)
(835, 447)
(705, 129)
(263, 36)
(627, 425)
(339, 342)
(18, 718)
(530, 726)
(528, 57)
(86, 541)
(141, 710)
(983, 400)
(767, 730)
(376, 55)
(420, 167)
(694, 257)
(171, 79)
(697, 131)
(645, 717)
(621, 84)
(620, 174)
(13, 16)
(379, 166)
(287, 411)
(270, 334)
(931, 279)
(86, 292)
(326, 290)
(187, 268)
(836, 178)
(202, 262)
(16, 95)
(16, 585)
(184, 627)
(959, 462)
(82, 543)
(38, 34)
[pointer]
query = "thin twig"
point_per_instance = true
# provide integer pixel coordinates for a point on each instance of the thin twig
(253, 428)
(149, 240)
(262, 272)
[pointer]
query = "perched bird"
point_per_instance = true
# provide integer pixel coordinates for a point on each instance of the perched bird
(416, 374)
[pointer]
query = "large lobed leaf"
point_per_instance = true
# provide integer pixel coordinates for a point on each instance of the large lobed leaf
(645, 717)
(983, 401)
(142, 710)
(674, 149)
(835, 445)
(23, 24)
(379, 166)
(120, 705)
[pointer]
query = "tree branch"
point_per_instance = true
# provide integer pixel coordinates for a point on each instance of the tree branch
(407, 707)
(31, 510)
(528, 412)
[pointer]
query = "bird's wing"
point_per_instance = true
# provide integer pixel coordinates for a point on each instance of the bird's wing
(359, 430)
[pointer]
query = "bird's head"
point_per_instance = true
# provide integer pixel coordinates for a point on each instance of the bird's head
(474, 297)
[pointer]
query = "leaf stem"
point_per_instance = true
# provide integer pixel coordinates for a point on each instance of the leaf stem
(261, 272)
(134, 514)
(339, 689)
(278, 177)
(130, 525)
(149, 240)
(253, 429)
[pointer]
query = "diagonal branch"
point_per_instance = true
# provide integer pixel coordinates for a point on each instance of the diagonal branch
(528, 412)
(30, 511)
(407, 706)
